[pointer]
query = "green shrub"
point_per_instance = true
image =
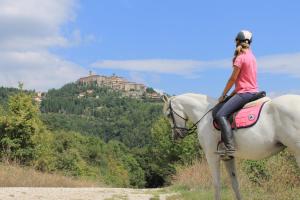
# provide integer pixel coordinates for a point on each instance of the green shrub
(256, 171)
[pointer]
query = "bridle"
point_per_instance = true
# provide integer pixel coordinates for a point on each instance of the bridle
(179, 130)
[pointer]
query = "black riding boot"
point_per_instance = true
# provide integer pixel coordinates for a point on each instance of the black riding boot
(227, 137)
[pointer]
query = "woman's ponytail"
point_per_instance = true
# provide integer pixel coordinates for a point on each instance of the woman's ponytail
(241, 48)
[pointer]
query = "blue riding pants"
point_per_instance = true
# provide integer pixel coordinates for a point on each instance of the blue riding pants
(234, 103)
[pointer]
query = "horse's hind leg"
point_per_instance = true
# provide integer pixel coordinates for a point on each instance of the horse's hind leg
(231, 170)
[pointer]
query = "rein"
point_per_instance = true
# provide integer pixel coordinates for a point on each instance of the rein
(187, 130)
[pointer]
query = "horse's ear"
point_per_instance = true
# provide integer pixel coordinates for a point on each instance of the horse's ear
(165, 98)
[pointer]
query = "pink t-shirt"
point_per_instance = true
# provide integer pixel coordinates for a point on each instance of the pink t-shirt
(247, 78)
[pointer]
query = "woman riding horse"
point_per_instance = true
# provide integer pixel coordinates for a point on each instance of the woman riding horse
(244, 77)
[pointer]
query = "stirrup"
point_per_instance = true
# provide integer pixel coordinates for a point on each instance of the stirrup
(225, 155)
(223, 152)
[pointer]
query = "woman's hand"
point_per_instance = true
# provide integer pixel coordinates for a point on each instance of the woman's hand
(222, 98)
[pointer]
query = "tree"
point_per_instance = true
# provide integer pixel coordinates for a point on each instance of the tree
(150, 90)
(18, 128)
(164, 154)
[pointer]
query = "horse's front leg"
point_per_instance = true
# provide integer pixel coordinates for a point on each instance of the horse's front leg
(213, 161)
(230, 167)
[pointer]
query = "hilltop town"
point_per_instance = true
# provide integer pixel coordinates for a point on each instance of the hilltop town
(129, 89)
(117, 83)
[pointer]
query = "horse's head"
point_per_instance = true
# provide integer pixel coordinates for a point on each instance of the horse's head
(176, 116)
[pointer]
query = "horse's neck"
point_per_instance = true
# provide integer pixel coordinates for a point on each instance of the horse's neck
(195, 106)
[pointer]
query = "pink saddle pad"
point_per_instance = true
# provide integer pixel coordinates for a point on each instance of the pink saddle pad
(246, 117)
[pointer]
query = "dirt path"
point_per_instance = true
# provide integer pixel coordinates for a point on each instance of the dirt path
(27, 193)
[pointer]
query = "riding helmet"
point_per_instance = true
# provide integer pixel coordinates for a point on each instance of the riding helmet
(244, 35)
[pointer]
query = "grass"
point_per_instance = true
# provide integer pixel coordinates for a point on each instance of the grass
(154, 198)
(198, 194)
(254, 194)
(194, 181)
(15, 176)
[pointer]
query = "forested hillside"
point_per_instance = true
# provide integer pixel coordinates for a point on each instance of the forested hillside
(92, 132)
(101, 112)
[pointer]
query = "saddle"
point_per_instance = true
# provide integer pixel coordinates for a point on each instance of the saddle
(246, 116)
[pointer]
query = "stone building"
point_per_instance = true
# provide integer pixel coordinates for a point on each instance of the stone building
(89, 79)
(116, 83)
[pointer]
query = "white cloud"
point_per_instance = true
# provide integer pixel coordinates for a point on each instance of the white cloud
(37, 70)
(28, 29)
(181, 67)
(282, 63)
(34, 23)
(77, 38)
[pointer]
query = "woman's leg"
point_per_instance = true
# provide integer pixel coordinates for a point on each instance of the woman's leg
(232, 105)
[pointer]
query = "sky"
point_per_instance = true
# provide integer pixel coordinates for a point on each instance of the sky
(170, 45)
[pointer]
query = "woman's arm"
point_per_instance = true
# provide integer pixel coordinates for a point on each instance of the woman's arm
(230, 82)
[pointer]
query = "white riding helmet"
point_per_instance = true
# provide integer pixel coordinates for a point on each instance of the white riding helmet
(244, 35)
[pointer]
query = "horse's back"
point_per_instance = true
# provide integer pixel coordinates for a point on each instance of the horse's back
(286, 98)
(288, 104)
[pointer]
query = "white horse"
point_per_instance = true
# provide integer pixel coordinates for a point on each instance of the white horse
(278, 127)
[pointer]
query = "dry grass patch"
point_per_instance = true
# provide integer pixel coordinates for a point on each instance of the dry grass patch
(15, 176)
(194, 176)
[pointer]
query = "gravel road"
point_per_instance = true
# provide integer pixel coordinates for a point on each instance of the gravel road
(32, 193)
